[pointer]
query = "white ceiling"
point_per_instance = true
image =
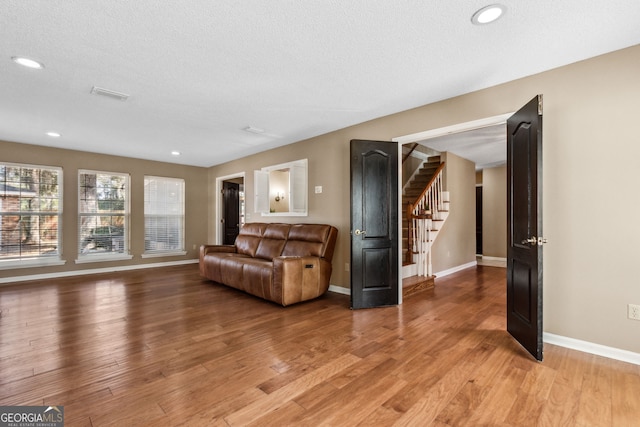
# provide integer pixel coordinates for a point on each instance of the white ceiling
(200, 71)
(486, 147)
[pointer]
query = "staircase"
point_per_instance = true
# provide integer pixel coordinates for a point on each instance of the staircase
(426, 210)
(411, 192)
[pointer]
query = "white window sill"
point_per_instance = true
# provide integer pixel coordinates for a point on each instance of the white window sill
(284, 214)
(161, 254)
(31, 262)
(102, 258)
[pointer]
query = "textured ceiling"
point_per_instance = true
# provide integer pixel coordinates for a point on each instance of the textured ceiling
(486, 147)
(200, 71)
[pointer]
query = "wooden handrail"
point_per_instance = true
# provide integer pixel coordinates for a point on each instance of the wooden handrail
(411, 207)
(406, 156)
(428, 186)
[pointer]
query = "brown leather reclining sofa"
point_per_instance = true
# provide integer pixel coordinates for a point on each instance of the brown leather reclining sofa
(283, 263)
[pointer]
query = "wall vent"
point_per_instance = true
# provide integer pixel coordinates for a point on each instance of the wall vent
(109, 93)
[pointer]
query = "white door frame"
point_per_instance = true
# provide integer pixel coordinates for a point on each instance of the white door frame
(434, 133)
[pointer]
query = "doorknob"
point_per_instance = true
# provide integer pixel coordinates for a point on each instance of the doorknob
(535, 241)
(359, 232)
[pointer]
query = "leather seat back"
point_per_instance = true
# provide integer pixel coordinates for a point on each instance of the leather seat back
(310, 240)
(249, 238)
(273, 240)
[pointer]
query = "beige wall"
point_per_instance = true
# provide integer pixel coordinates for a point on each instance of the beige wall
(71, 161)
(327, 163)
(410, 166)
(590, 109)
(494, 212)
(456, 243)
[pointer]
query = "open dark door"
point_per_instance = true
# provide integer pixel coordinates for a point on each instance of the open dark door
(231, 208)
(524, 222)
(374, 223)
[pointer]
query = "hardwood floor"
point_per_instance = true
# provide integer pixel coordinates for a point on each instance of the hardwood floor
(165, 348)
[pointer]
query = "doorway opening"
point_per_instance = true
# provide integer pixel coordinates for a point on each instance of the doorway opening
(481, 141)
(230, 212)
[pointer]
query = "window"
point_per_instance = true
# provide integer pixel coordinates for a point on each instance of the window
(281, 190)
(103, 215)
(30, 212)
(163, 216)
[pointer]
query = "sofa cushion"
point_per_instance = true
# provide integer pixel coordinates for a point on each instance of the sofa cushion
(211, 265)
(306, 240)
(257, 277)
(273, 240)
(249, 238)
(231, 270)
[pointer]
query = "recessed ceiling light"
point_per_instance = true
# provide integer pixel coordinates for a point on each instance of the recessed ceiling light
(26, 62)
(488, 14)
(53, 134)
(175, 153)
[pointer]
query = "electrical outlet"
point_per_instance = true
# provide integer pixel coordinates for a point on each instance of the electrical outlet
(346, 266)
(634, 311)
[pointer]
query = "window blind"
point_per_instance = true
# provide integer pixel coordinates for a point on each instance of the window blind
(30, 211)
(163, 214)
(103, 213)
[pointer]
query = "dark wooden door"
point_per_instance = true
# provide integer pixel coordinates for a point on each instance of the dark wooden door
(479, 220)
(524, 223)
(231, 208)
(374, 223)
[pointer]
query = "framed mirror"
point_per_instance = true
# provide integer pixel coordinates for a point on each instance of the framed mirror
(281, 190)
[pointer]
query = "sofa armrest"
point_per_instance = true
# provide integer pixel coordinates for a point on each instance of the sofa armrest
(300, 277)
(207, 249)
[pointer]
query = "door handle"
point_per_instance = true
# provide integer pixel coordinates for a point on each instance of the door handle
(358, 232)
(535, 241)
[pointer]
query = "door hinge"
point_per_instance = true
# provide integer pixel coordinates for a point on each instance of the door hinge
(539, 105)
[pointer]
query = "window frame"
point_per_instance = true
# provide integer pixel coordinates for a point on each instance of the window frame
(296, 191)
(148, 253)
(40, 259)
(110, 255)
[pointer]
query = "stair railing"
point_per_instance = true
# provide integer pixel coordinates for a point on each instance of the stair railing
(419, 222)
(408, 154)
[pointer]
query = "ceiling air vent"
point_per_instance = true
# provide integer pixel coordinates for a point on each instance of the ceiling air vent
(109, 93)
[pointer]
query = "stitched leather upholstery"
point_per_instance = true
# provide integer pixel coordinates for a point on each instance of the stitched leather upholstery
(283, 263)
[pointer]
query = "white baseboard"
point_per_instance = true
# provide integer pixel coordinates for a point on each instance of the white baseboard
(339, 290)
(15, 279)
(591, 348)
(347, 291)
(493, 258)
(455, 269)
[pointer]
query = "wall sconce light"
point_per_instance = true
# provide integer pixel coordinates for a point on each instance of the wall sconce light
(279, 196)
